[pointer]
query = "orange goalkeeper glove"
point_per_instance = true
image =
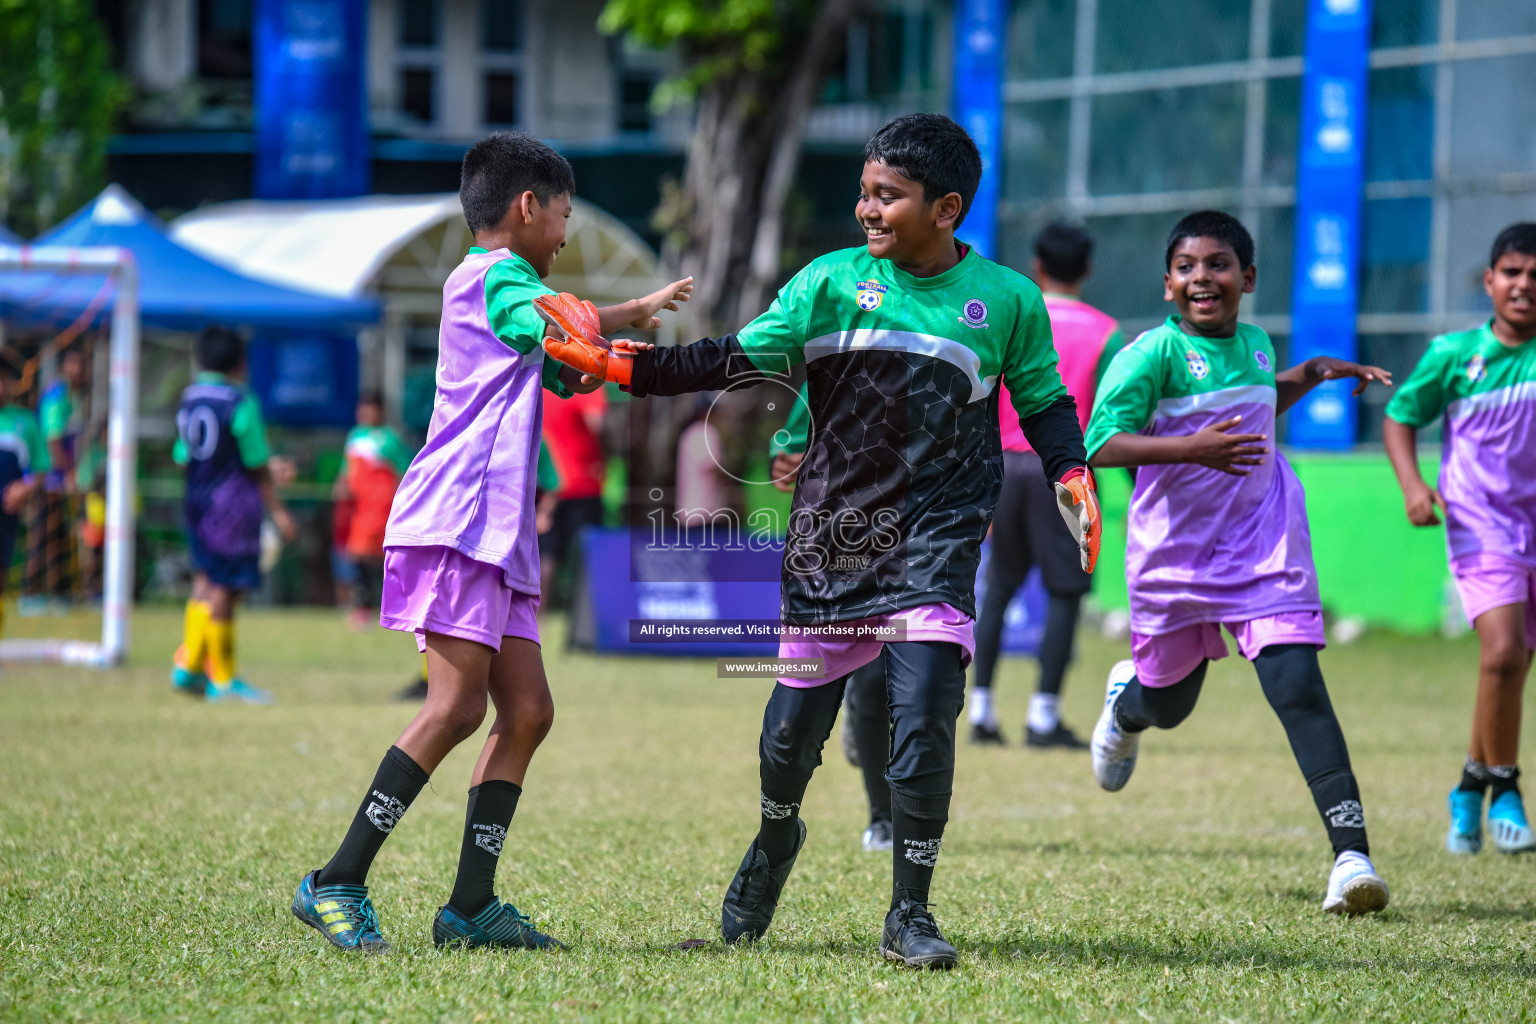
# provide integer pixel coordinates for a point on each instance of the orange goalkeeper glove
(1078, 502)
(580, 343)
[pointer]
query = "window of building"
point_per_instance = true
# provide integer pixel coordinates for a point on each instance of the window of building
(416, 88)
(500, 98)
(224, 38)
(418, 23)
(635, 90)
(888, 54)
(501, 26)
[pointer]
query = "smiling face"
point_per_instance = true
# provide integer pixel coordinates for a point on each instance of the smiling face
(1206, 284)
(544, 230)
(899, 224)
(1511, 284)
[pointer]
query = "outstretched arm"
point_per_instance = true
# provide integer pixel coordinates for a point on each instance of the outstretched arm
(1212, 447)
(641, 313)
(1291, 385)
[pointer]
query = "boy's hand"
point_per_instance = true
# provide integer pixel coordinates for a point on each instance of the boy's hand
(1327, 368)
(16, 495)
(786, 470)
(1421, 502)
(622, 346)
(664, 298)
(285, 524)
(1214, 448)
(1078, 502)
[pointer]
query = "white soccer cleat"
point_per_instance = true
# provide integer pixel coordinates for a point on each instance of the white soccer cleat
(1354, 887)
(1114, 752)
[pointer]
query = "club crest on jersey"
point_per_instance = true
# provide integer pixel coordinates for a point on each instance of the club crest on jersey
(1198, 367)
(869, 295)
(1477, 369)
(1263, 360)
(974, 314)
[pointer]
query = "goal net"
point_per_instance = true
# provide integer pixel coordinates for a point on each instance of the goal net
(122, 448)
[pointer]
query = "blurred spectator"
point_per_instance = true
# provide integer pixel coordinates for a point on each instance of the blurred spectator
(23, 461)
(63, 411)
(376, 460)
(343, 569)
(573, 430)
(703, 486)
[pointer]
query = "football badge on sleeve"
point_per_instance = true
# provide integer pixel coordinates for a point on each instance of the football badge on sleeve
(1198, 367)
(869, 295)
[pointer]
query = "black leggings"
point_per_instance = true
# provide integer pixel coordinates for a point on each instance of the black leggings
(1293, 684)
(869, 711)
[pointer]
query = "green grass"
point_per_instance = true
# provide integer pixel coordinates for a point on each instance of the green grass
(149, 847)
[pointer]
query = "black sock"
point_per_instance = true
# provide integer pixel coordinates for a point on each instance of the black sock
(395, 785)
(1503, 778)
(866, 702)
(491, 806)
(917, 828)
(1474, 777)
(779, 829)
(1293, 685)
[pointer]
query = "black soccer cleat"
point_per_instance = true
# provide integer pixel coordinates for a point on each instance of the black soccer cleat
(912, 937)
(754, 894)
(1061, 736)
(987, 734)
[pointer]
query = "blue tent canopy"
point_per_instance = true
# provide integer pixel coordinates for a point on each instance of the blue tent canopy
(8, 237)
(178, 289)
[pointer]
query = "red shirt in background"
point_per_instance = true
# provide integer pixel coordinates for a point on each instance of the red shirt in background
(572, 430)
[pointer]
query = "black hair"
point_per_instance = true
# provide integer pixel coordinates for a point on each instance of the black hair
(219, 349)
(504, 165)
(933, 151)
(1520, 238)
(10, 365)
(1223, 227)
(371, 396)
(1064, 249)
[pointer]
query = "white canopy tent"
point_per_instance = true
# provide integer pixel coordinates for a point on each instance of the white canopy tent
(401, 248)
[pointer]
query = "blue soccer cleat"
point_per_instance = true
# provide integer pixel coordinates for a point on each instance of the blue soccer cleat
(498, 926)
(184, 680)
(1466, 834)
(238, 691)
(342, 913)
(1506, 820)
(1114, 752)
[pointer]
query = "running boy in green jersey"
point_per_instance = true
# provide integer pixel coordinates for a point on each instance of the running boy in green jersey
(904, 343)
(1218, 535)
(1484, 382)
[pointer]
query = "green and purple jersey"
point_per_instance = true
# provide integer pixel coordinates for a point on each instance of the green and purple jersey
(1487, 392)
(1203, 545)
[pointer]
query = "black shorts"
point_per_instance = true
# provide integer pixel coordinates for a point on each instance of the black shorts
(1027, 530)
(571, 516)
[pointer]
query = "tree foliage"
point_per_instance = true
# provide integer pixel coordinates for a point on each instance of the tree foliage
(58, 100)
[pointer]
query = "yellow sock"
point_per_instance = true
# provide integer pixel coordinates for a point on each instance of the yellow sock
(221, 651)
(2, 621)
(194, 642)
(423, 662)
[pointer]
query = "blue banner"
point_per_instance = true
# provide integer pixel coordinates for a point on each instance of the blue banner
(311, 99)
(1329, 183)
(735, 591)
(304, 379)
(979, 30)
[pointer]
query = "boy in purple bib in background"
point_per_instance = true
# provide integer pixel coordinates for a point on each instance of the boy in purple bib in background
(1484, 382)
(1218, 533)
(461, 564)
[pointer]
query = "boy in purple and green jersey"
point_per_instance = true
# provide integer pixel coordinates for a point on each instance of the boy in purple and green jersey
(461, 558)
(904, 343)
(1218, 533)
(1483, 382)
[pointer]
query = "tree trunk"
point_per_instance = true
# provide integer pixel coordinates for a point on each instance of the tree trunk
(741, 164)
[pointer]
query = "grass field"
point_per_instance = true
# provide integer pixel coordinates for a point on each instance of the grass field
(149, 847)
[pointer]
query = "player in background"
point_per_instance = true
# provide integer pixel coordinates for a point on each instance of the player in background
(376, 460)
(62, 414)
(903, 341)
(1484, 382)
(222, 442)
(1218, 533)
(573, 434)
(1026, 530)
(866, 729)
(461, 562)
(23, 463)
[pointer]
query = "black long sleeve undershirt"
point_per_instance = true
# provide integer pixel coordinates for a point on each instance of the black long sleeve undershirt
(1057, 438)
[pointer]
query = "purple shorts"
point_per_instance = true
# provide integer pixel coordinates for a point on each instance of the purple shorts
(1486, 581)
(939, 622)
(440, 590)
(1165, 659)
